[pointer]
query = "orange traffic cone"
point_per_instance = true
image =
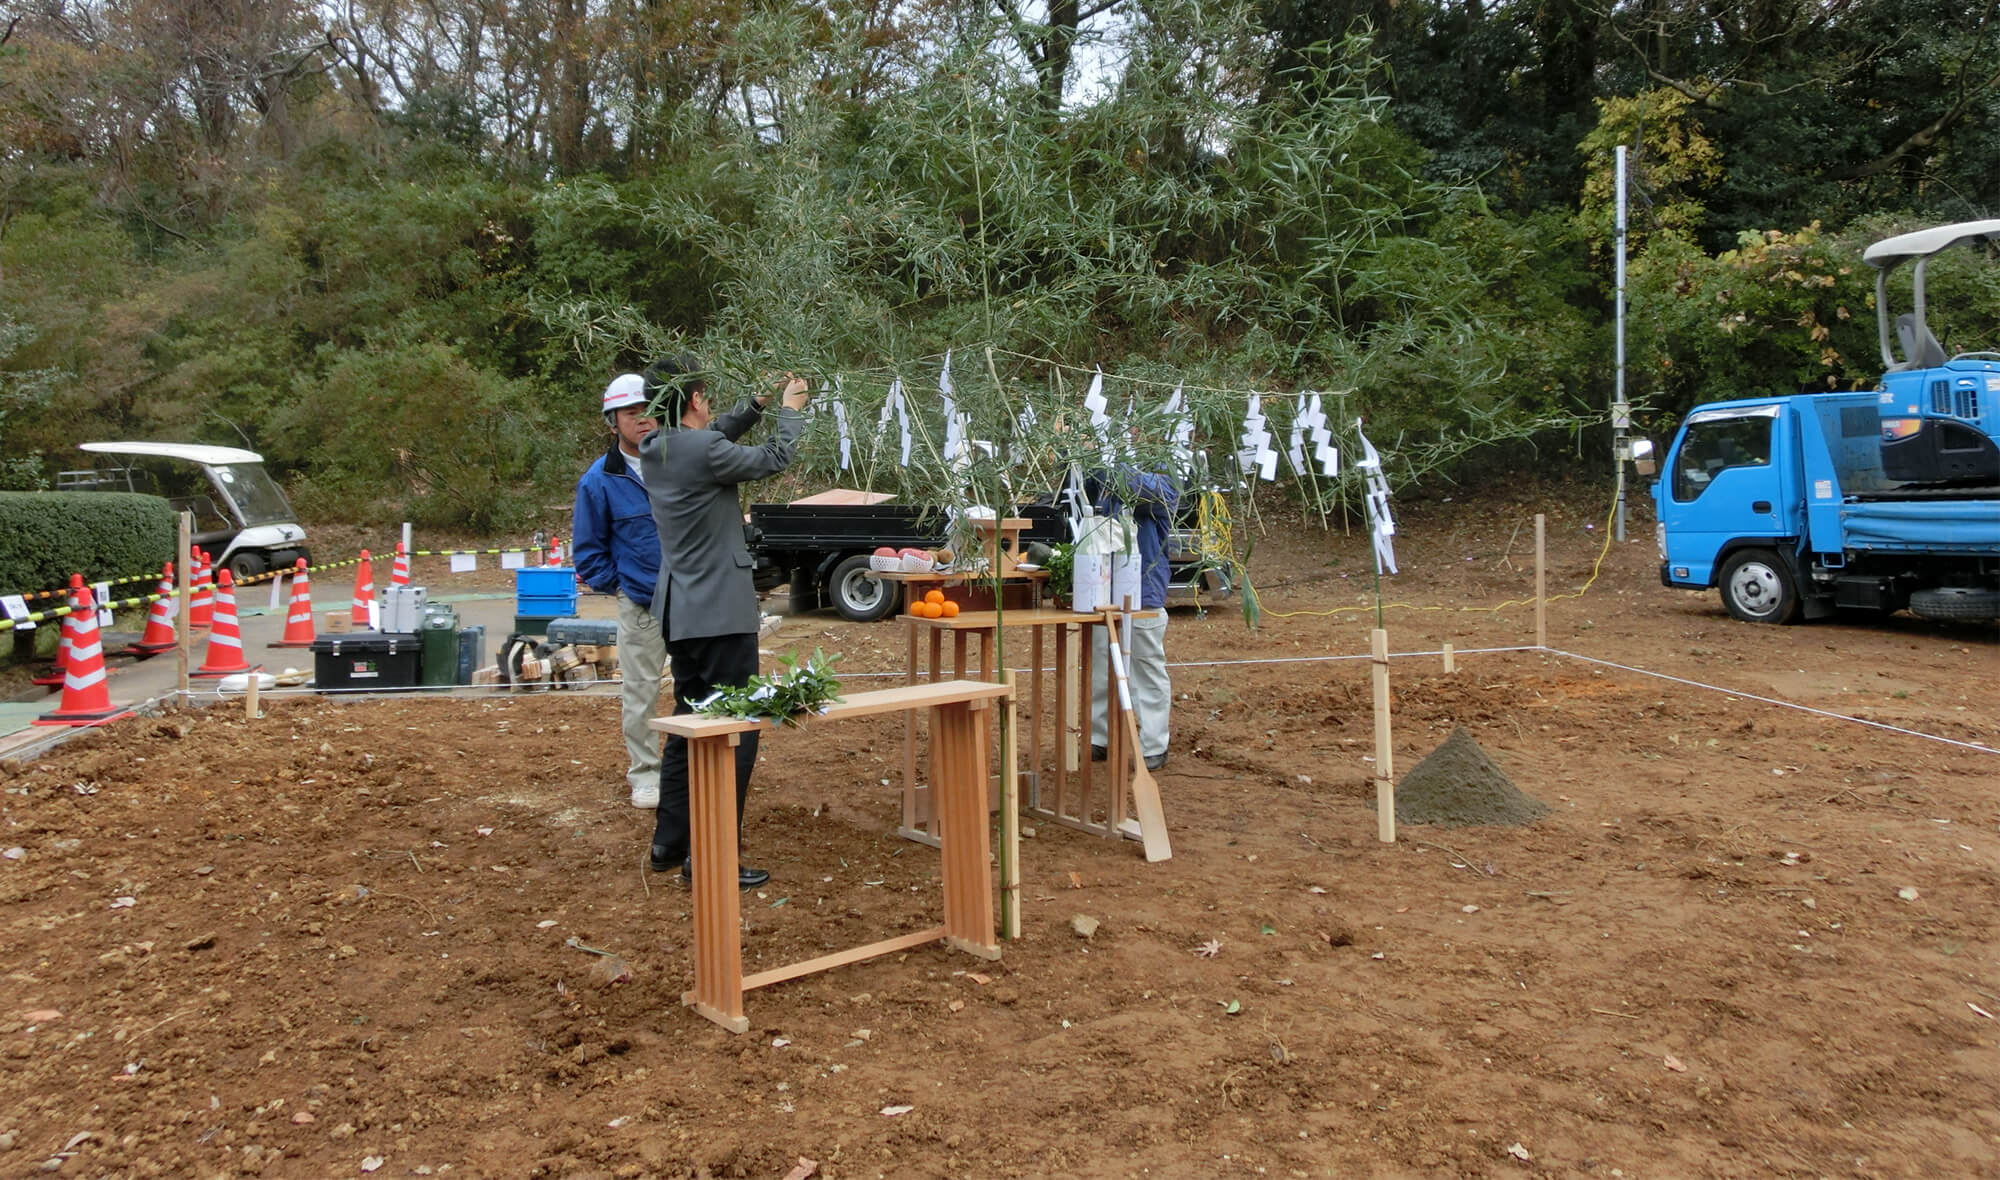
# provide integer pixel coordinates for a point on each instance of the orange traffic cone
(364, 592)
(555, 556)
(399, 573)
(159, 634)
(86, 699)
(299, 619)
(201, 592)
(59, 672)
(225, 643)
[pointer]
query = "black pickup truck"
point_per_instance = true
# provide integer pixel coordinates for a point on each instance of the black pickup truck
(822, 551)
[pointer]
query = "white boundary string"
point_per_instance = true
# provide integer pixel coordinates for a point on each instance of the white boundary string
(1751, 696)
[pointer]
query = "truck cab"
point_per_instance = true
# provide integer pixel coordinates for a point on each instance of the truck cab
(1803, 504)
(240, 513)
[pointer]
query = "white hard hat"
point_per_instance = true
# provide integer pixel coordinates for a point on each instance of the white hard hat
(626, 389)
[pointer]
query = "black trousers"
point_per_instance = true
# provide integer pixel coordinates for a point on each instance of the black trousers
(700, 666)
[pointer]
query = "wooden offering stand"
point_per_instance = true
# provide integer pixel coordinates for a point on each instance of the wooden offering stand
(959, 756)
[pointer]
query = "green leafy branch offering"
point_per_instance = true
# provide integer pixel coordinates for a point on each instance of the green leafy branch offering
(785, 696)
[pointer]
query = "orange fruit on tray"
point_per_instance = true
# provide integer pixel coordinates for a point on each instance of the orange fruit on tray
(933, 596)
(950, 609)
(933, 610)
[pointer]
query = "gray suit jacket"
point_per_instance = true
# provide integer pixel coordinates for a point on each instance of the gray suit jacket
(705, 586)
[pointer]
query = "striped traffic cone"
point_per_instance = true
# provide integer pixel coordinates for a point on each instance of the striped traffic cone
(159, 635)
(399, 572)
(555, 556)
(299, 618)
(201, 592)
(58, 673)
(225, 643)
(364, 592)
(86, 699)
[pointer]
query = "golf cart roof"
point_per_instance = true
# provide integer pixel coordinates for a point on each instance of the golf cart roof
(189, 452)
(1925, 242)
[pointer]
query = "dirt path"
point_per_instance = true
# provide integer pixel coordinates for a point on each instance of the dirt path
(1746, 941)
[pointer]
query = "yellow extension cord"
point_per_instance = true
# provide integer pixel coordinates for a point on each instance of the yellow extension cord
(1216, 543)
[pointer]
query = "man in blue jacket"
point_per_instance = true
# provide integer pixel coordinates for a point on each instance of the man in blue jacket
(1152, 498)
(616, 548)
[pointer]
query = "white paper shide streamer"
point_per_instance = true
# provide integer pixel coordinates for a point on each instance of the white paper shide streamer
(840, 422)
(1100, 417)
(1255, 453)
(1381, 525)
(957, 430)
(1323, 450)
(1181, 425)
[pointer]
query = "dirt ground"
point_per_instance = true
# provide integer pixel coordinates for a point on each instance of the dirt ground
(1746, 940)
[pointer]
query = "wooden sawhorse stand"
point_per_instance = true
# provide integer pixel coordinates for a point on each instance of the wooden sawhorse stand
(958, 780)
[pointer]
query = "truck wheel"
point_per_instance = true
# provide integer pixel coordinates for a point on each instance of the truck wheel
(856, 596)
(1971, 604)
(1757, 587)
(247, 564)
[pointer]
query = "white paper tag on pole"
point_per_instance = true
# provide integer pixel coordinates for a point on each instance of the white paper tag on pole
(16, 608)
(513, 559)
(374, 614)
(1329, 459)
(464, 563)
(277, 586)
(101, 591)
(1295, 448)
(1267, 464)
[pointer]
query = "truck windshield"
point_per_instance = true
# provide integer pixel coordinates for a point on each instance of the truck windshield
(257, 497)
(1714, 445)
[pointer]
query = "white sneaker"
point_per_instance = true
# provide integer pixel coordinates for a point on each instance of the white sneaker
(647, 796)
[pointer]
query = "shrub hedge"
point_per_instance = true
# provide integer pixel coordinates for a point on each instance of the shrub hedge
(47, 536)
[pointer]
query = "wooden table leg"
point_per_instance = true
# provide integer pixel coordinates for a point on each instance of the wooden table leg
(958, 778)
(718, 930)
(910, 818)
(1087, 786)
(1064, 750)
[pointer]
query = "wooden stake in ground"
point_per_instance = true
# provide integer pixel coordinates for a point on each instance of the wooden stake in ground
(1449, 665)
(250, 712)
(1385, 770)
(183, 565)
(1541, 582)
(1010, 813)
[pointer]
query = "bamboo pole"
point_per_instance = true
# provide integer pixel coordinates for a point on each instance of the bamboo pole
(1385, 771)
(1541, 581)
(1010, 813)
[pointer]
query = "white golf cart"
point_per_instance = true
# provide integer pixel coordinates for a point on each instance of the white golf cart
(240, 513)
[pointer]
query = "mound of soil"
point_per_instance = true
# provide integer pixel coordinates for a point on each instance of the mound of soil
(1458, 786)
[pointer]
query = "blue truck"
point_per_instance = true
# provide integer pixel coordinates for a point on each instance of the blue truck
(1801, 505)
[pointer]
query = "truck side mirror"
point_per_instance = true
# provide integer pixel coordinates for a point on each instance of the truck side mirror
(1642, 456)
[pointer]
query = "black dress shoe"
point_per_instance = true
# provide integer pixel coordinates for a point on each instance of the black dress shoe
(1099, 753)
(746, 877)
(659, 859)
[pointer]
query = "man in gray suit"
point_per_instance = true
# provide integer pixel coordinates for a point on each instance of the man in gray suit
(706, 599)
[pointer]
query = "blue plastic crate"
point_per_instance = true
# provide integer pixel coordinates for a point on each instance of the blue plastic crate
(545, 606)
(546, 580)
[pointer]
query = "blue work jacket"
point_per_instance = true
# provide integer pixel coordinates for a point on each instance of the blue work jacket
(1153, 501)
(614, 543)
